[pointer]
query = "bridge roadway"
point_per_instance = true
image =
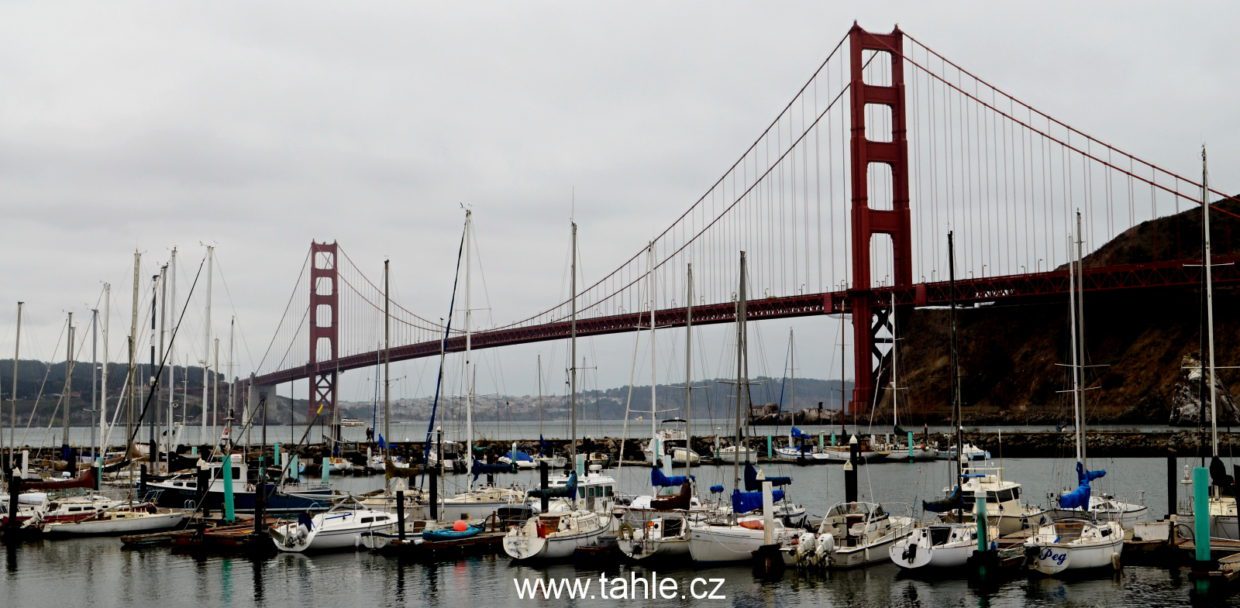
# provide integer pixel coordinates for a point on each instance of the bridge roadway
(1038, 285)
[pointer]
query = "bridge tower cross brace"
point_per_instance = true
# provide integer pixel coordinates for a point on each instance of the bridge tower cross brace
(324, 327)
(867, 221)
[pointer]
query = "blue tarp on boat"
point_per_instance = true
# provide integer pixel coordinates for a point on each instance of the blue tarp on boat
(659, 480)
(745, 502)
(798, 434)
(753, 484)
(716, 489)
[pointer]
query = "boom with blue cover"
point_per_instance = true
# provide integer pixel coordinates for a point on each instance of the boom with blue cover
(954, 501)
(568, 490)
(744, 502)
(753, 484)
(660, 480)
(482, 468)
(798, 434)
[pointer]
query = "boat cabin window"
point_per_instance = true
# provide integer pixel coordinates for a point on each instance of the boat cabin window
(366, 520)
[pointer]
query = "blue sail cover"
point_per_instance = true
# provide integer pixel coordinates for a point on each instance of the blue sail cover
(568, 491)
(954, 501)
(482, 468)
(519, 456)
(542, 446)
(798, 434)
(716, 489)
(1079, 498)
(753, 484)
(745, 502)
(1086, 476)
(659, 480)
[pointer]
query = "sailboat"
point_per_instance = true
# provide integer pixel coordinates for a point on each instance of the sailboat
(567, 525)
(947, 544)
(915, 451)
(736, 536)
(658, 526)
(1222, 509)
(1076, 544)
(341, 527)
(476, 502)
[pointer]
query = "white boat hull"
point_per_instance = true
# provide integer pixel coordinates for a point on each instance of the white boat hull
(1051, 556)
(711, 544)
(121, 525)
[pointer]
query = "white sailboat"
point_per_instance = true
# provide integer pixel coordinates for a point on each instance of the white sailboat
(566, 526)
(125, 519)
(478, 502)
(340, 528)
(735, 537)
(1076, 544)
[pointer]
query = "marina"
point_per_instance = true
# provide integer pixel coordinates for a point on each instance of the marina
(923, 342)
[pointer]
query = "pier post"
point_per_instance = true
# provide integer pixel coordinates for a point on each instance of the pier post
(770, 453)
(142, 482)
(15, 489)
(433, 478)
(1172, 499)
(98, 473)
(275, 450)
(910, 445)
(260, 501)
(200, 488)
(1201, 513)
(400, 512)
(980, 501)
(226, 473)
(850, 471)
(326, 468)
(542, 483)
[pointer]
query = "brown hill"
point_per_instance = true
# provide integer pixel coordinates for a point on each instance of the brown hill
(1009, 353)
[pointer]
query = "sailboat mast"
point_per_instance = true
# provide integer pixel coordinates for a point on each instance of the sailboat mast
(1205, 228)
(68, 392)
(232, 381)
(469, 376)
(540, 403)
(206, 344)
(387, 360)
(13, 389)
(170, 355)
(741, 312)
(133, 353)
(572, 354)
(163, 335)
(94, 375)
(1076, 368)
(1080, 324)
(955, 358)
(688, 369)
(653, 391)
(153, 454)
(103, 381)
(792, 372)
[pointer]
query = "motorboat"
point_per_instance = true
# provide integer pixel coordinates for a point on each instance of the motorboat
(851, 535)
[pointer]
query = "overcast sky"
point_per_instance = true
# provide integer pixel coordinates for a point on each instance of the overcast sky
(262, 126)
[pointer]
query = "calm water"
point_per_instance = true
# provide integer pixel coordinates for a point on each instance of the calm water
(98, 572)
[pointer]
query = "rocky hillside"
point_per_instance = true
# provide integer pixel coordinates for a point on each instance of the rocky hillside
(1140, 342)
